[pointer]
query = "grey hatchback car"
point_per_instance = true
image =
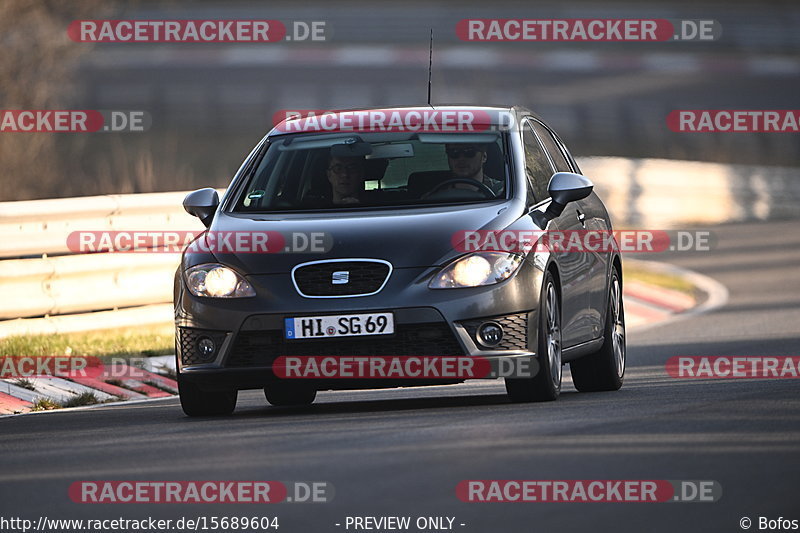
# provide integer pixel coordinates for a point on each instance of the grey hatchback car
(364, 218)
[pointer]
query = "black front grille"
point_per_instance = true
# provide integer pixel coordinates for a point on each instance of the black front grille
(188, 337)
(364, 277)
(515, 331)
(260, 348)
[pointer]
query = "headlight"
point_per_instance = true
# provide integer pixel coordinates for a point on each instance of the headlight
(474, 270)
(217, 281)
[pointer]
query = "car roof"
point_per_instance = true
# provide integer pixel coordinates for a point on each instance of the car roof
(482, 116)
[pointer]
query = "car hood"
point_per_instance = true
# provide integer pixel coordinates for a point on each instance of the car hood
(418, 237)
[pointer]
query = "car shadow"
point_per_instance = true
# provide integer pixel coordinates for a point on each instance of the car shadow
(389, 405)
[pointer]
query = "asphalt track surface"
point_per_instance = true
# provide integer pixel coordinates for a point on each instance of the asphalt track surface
(402, 452)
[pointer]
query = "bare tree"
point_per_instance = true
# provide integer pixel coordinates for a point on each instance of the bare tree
(37, 66)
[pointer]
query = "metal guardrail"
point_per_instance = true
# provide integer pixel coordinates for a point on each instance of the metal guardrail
(646, 193)
(39, 227)
(664, 193)
(40, 277)
(79, 283)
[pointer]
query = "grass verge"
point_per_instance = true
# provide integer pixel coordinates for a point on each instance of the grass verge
(48, 404)
(45, 404)
(659, 279)
(139, 342)
(84, 398)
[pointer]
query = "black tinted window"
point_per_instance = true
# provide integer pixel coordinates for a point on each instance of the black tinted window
(552, 148)
(310, 172)
(537, 166)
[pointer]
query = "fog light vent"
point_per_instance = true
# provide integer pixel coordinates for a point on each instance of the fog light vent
(199, 346)
(206, 348)
(490, 334)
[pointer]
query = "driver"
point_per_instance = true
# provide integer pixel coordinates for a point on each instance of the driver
(346, 176)
(466, 162)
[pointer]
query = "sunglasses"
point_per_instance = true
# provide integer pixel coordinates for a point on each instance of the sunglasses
(455, 153)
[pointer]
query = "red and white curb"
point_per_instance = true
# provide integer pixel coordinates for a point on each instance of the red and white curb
(647, 305)
(20, 395)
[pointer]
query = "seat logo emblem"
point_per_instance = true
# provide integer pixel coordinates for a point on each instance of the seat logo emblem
(340, 277)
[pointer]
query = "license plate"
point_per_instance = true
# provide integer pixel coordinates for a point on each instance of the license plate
(324, 327)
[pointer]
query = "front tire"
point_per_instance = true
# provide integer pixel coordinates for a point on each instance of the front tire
(197, 402)
(604, 370)
(546, 384)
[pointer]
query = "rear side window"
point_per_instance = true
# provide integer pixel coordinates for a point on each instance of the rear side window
(537, 166)
(552, 147)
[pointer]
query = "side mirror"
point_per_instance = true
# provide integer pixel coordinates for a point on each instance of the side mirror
(566, 187)
(202, 204)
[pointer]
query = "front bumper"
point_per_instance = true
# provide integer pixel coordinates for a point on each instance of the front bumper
(248, 333)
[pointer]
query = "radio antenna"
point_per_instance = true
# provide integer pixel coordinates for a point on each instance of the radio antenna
(430, 68)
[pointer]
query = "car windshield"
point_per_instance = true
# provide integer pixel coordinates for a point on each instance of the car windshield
(305, 172)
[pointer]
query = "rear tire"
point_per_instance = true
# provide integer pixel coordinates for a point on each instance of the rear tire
(545, 386)
(604, 370)
(197, 402)
(281, 395)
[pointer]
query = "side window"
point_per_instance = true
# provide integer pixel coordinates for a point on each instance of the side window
(552, 148)
(537, 166)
